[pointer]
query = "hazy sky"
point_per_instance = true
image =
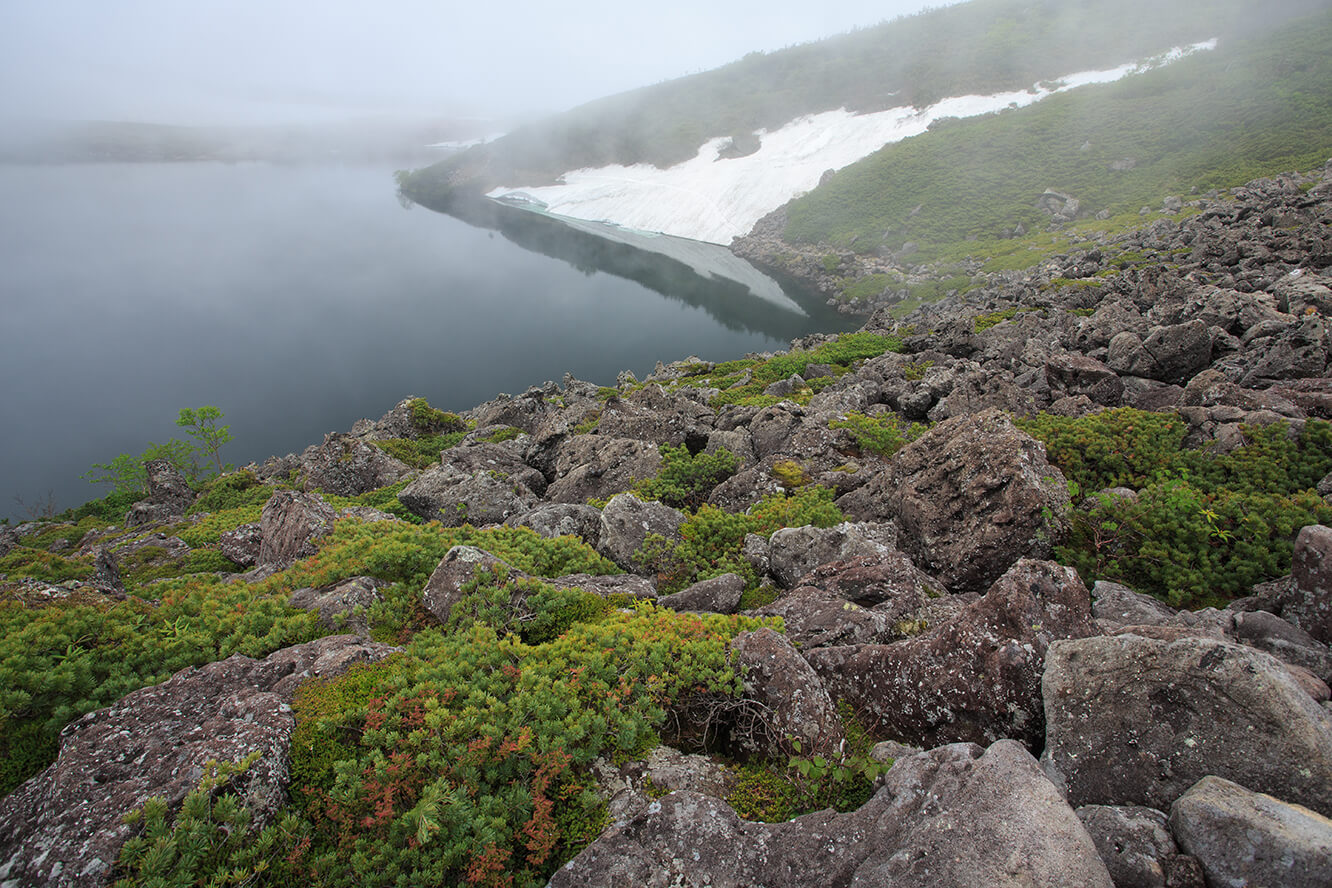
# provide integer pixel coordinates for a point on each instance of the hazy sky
(262, 61)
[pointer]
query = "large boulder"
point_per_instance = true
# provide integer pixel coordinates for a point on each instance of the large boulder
(956, 815)
(169, 495)
(347, 466)
(460, 566)
(485, 483)
(799, 710)
(595, 466)
(626, 523)
(1171, 354)
(975, 678)
(814, 618)
(718, 595)
(341, 606)
(65, 827)
(1308, 603)
(290, 523)
(1136, 846)
(970, 497)
(1248, 838)
(795, 551)
(552, 520)
(1132, 720)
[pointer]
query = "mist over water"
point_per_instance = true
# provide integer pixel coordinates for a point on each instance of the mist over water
(298, 299)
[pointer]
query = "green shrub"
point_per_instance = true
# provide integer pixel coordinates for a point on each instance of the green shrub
(420, 453)
(686, 479)
(881, 435)
(231, 492)
(431, 422)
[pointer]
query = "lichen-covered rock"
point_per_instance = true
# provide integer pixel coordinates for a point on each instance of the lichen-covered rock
(814, 618)
(719, 595)
(954, 816)
(657, 416)
(459, 566)
(1248, 838)
(798, 708)
(977, 677)
(552, 520)
(1308, 604)
(290, 523)
(485, 483)
(626, 523)
(169, 495)
(347, 466)
(969, 498)
(1137, 721)
(889, 582)
(1073, 374)
(594, 466)
(64, 827)
(795, 551)
(1135, 845)
(242, 544)
(341, 606)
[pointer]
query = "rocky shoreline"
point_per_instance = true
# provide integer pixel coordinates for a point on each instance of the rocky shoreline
(1043, 732)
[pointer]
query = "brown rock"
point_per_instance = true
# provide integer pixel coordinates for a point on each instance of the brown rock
(290, 523)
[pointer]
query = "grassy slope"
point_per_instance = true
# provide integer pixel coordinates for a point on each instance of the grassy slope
(982, 46)
(1256, 106)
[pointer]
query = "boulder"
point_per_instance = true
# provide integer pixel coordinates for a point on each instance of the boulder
(1308, 603)
(289, 525)
(719, 595)
(1072, 374)
(594, 466)
(814, 618)
(242, 544)
(957, 815)
(970, 497)
(1132, 720)
(887, 582)
(552, 520)
(1135, 844)
(64, 826)
(795, 551)
(347, 466)
(1286, 642)
(341, 606)
(169, 495)
(652, 414)
(485, 483)
(1171, 354)
(797, 708)
(456, 569)
(625, 524)
(977, 677)
(1248, 838)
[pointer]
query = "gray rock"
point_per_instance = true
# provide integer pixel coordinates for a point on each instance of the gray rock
(976, 677)
(719, 595)
(1072, 374)
(1135, 844)
(814, 619)
(242, 544)
(562, 519)
(795, 551)
(798, 708)
(64, 826)
(937, 822)
(594, 466)
(456, 569)
(969, 498)
(1122, 606)
(169, 495)
(347, 466)
(342, 606)
(290, 523)
(1248, 838)
(1285, 641)
(1309, 603)
(1132, 720)
(625, 524)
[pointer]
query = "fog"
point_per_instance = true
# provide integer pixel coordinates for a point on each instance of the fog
(244, 62)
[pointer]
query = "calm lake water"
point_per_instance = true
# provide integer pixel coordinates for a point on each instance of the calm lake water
(299, 299)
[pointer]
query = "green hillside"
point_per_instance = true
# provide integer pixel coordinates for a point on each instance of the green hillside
(984, 46)
(1255, 106)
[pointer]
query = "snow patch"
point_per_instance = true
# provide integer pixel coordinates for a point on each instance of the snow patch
(715, 200)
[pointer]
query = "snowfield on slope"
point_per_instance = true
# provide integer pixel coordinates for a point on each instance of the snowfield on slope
(715, 200)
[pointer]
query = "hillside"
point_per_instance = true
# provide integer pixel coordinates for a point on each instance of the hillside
(584, 632)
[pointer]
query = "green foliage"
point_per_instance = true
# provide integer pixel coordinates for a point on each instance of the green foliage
(208, 529)
(1203, 528)
(841, 353)
(201, 425)
(429, 421)
(465, 759)
(508, 433)
(686, 479)
(881, 434)
(212, 840)
(128, 474)
(111, 507)
(43, 565)
(986, 321)
(231, 491)
(713, 538)
(420, 453)
(65, 658)
(535, 611)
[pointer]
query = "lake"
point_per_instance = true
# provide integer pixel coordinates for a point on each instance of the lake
(301, 298)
